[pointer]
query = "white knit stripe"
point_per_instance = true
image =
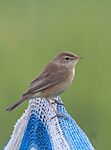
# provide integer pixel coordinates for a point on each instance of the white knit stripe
(18, 133)
(57, 137)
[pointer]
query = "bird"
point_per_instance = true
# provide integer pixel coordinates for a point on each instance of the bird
(55, 78)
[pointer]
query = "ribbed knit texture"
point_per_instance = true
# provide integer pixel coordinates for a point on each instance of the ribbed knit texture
(38, 130)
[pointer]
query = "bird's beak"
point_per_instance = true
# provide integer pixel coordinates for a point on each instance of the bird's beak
(79, 57)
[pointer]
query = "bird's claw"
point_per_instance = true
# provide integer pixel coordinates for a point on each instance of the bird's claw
(59, 115)
(57, 102)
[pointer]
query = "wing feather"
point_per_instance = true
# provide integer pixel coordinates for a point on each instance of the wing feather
(51, 76)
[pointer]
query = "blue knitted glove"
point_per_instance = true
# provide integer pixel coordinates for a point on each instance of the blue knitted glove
(38, 129)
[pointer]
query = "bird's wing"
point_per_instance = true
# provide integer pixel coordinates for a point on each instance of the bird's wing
(51, 76)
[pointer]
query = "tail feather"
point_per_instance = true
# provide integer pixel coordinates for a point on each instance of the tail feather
(16, 104)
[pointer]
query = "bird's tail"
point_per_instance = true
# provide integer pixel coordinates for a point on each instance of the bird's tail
(16, 104)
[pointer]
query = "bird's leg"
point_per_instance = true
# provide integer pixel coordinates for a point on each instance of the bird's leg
(57, 115)
(60, 115)
(51, 105)
(56, 101)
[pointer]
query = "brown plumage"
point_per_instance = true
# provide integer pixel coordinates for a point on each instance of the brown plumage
(54, 79)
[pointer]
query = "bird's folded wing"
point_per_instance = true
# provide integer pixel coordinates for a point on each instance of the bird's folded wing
(47, 79)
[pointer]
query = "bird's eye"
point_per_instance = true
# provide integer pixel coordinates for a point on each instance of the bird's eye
(67, 58)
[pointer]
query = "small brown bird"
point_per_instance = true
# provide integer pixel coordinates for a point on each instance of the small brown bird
(55, 79)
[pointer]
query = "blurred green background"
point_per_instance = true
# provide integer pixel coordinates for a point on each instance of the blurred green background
(32, 32)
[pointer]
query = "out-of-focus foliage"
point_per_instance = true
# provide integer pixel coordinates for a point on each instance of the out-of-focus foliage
(32, 32)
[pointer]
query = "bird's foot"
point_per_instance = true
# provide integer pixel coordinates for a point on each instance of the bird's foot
(56, 102)
(59, 115)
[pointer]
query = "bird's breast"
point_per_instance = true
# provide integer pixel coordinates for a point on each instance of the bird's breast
(73, 73)
(70, 77)
(61, 87)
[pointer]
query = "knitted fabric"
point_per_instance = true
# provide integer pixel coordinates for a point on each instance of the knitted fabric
(38, 129)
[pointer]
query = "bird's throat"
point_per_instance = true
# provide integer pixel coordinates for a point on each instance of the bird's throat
(73, 72)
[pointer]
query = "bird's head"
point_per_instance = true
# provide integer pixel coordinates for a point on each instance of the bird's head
(67, 59)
